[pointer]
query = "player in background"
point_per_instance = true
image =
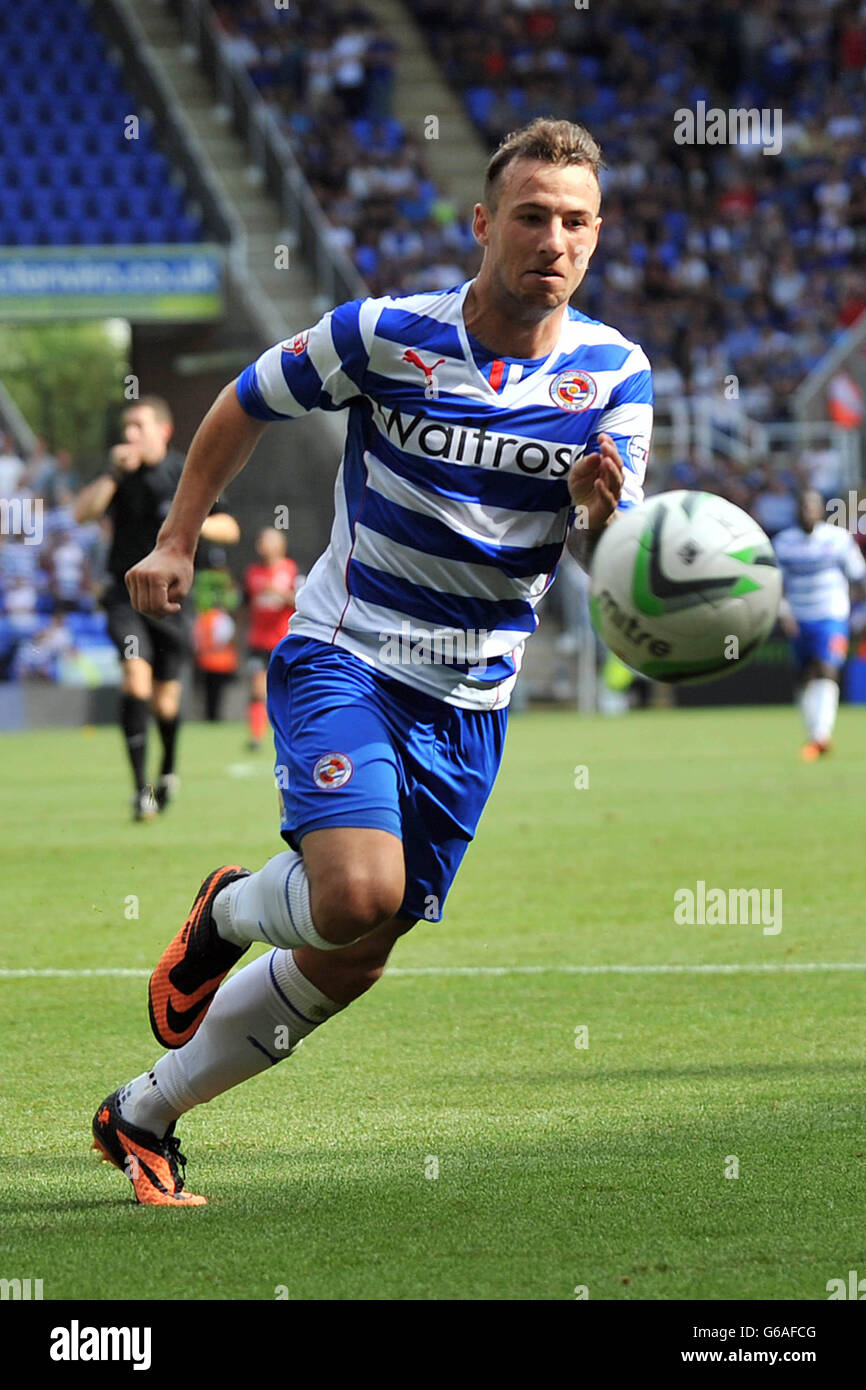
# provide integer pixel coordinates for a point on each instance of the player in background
(489, 425)
(269, 588)
(135, 493)
(819, 562)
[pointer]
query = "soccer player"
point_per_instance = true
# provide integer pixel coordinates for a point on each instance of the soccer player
(270, 594)
(818, 563)
(135, 494)
(488, 425)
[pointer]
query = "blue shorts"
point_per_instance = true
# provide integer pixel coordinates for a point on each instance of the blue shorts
(823, 640)
(356, 748)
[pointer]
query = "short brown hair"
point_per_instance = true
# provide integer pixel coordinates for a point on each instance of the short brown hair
(159, 406)
(554, 142)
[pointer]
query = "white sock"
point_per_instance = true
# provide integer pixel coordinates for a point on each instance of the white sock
(826, 707)
(809, 708)
(141, 1103)
(272, 905)
(259, 1016)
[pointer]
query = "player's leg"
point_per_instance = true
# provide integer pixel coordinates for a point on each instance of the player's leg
(448, 760)
(260, 1016)
(257, 716)
(823, 703)
(347, 801)
(172, 648)
(343, 884)
(350, 890)
(129, 633)
(823, 647)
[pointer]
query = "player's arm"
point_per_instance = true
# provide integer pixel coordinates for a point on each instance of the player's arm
(612, 477)
(222, 445)
(321, 369)
(595, 483)
(93, 501)
(787, 621)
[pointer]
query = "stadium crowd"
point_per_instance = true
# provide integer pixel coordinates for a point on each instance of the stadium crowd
(719, 260)
(328, 73)
(50, 571)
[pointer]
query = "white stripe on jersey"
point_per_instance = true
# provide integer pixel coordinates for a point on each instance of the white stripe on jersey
(452, 504)
(817, 567)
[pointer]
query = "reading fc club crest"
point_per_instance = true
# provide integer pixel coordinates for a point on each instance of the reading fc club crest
(332, 771)
(573, 390)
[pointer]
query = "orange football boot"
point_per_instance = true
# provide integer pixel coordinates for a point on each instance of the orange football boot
(151, 1164)
(193, 966)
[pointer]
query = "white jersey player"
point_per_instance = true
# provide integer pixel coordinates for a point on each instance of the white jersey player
(487, 426)
(819, 563)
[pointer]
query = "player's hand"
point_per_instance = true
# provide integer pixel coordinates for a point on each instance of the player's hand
(790, 626)
(595, 483)
(125, 458)
(159, 581)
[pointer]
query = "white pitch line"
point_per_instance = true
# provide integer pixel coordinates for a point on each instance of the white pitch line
(769, 967)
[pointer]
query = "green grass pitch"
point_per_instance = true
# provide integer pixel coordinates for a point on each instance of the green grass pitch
(559, 1166)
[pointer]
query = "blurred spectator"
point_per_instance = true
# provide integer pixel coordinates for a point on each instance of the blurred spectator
(12, 467)
(214, 585)
(52, 476)
(216, 657)
(69, 579)
(40, 655)
(775, 506)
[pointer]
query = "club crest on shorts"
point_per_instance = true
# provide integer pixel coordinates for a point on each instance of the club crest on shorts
(333, 770)
(573, 390)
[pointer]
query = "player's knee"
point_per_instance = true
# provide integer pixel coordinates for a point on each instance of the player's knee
(354, 902)
(137, 679)
(345, 975)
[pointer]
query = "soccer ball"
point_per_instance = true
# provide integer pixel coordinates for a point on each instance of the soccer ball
(685, 587)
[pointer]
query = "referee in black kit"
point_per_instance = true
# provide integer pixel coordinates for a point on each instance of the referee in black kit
(135, 493)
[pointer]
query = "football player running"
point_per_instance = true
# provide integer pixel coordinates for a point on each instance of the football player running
(488, 426)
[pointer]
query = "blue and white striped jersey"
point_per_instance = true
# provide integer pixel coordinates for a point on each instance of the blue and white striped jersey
(452, 504)
(817, 567)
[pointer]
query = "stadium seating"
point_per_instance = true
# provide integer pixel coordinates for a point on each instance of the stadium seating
(68, 175)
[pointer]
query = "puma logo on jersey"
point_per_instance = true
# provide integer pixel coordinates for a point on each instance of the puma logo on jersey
(431, 390)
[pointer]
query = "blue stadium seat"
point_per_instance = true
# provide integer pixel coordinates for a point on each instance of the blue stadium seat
(187, 229)
(59, 173)
(479, 100)
(80, 203)
(67, 175)
(12, 200)
(89, 232)
(154, 229)
(120, 231)
(165, 202)
(40, 203)
(25, 233)
(55, 232)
